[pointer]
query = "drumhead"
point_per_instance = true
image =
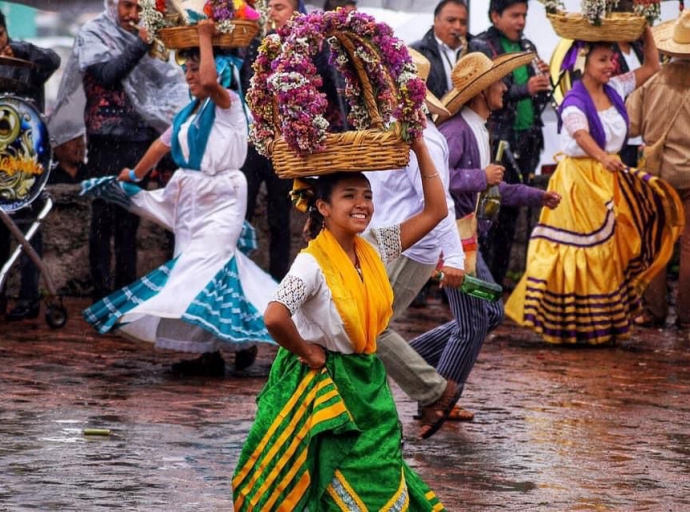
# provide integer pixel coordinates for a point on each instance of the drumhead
(25, 153)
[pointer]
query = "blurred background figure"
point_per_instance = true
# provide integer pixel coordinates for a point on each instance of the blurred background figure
(668, 92)
(445, 43)
(259, 169)
(27, 81)
(129, 99)
(347, 5)
(519, 121)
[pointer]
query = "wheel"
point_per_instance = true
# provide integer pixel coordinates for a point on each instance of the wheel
(56, 316)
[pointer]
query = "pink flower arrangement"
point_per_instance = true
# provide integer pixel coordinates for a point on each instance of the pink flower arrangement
(284, 70)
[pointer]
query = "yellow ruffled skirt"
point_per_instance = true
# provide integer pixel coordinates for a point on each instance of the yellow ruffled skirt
(590, 259)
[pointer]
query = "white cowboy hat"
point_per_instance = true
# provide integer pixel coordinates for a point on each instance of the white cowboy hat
(673, 37)
(475, 72)
(423, 68)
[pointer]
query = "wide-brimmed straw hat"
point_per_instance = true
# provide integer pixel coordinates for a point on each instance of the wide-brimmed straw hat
(474, 73)
(673, 37)
(423, 68)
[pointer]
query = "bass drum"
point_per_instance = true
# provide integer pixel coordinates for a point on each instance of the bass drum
(25, 153)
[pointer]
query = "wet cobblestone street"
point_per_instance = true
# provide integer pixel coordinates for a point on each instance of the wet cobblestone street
(556, 428)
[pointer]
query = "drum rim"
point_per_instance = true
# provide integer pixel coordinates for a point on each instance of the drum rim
(46, 173)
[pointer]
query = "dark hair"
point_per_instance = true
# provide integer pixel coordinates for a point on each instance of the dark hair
(332, 5)
(598, 44)
(443, 3)
(498, 6)
(195, 54)
(3, 21)
(323, 189)
(624, 6)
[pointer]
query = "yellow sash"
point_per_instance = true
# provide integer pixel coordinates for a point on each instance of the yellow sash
(364, 305)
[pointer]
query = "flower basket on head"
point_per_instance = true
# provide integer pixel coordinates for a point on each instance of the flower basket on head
(383, 91)
(172, 22)
(614, 27)
(179, 38)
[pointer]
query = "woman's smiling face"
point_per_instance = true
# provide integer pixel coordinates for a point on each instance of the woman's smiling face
(600, 66)
(350, 207)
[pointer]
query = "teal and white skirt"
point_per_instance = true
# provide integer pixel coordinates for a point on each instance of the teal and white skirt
(210, 292)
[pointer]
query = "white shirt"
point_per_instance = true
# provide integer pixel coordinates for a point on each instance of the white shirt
(227, 142)
(633, 63)
(478, 126)
(398, 196)
(306, 295)
(614, 124)
(449, 58)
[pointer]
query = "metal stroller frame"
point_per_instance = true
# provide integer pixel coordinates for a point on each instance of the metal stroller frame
(56, 314)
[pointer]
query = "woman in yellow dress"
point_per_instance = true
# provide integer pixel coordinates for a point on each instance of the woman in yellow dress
(589, 260)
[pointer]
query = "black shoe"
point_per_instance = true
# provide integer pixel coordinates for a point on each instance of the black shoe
(23, 309)
(245, 358)
(210, 364)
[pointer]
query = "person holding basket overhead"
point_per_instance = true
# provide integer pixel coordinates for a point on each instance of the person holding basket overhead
(210, 293)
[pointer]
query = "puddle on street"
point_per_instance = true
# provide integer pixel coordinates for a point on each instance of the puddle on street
(555, 428)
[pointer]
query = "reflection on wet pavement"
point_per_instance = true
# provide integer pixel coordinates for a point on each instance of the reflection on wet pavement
(556, 428)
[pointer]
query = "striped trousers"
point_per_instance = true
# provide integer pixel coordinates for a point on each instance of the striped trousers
(453, 348)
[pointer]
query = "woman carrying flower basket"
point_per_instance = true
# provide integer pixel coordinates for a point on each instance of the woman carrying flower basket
(327, 435)
(210, 292)
(590, 259)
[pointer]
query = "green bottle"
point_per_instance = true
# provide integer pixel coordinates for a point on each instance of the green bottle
(476, 287)
(481, 289)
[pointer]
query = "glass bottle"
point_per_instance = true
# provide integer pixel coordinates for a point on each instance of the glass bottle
(481, 289)
(490, 199)
(476, 287)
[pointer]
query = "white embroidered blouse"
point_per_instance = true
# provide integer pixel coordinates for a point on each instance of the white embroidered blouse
(305, 293)
(614, 125)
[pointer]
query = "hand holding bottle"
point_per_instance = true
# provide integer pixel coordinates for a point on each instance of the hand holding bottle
(451, 277)
(494, 174)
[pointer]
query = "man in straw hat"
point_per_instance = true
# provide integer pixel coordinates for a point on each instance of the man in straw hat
(650, 109)
(398, 195)
(518, 121)
(477, 91)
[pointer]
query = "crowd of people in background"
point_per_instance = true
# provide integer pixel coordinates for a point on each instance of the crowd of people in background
(591, 256)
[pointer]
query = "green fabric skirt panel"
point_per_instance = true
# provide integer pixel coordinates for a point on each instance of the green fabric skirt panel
(327, 440)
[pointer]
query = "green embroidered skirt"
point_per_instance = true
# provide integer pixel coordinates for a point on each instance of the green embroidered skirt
(327, 440)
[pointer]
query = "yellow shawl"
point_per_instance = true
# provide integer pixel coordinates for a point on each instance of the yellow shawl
(364, 305)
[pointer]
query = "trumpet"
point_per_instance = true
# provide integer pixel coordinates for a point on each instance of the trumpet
(158, 49)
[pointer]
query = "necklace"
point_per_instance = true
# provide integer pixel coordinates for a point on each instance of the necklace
(358, 268)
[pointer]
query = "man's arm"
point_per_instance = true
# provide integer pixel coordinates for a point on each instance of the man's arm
(46, 60)
(114, 70)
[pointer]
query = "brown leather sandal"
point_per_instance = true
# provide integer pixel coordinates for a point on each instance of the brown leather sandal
(457, 413)
(434, 415)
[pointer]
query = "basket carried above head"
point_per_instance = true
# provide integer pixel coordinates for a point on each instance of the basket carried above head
(383, 91)
(614, 27)
(180, 38)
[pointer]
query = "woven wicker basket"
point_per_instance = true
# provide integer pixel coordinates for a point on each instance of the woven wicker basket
(179, 38)
(375, 149)
(355, 151)
(614, 27)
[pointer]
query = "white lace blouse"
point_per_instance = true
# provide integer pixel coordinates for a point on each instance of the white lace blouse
(614, 125)
(305, 293)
